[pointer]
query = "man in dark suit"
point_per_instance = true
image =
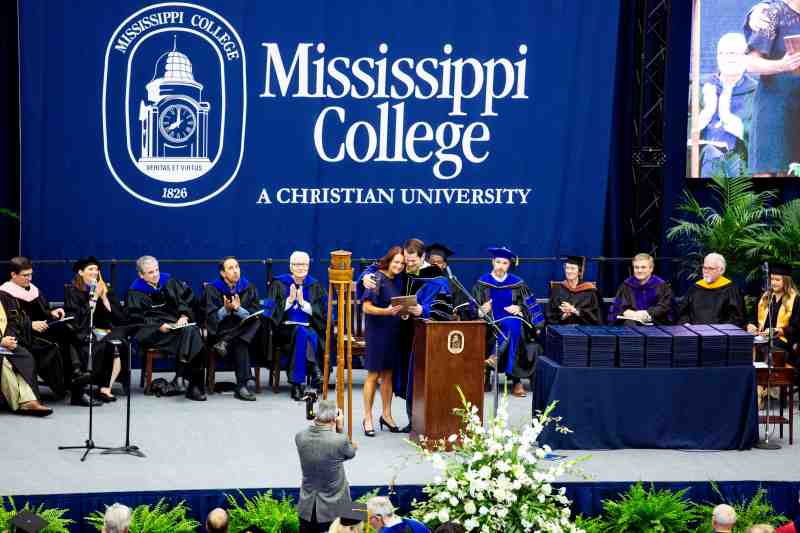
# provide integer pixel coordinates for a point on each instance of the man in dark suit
(323, 450)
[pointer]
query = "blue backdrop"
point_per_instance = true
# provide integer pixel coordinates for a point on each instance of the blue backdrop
(197, 131)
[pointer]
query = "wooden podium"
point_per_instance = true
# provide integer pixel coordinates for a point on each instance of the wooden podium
(446, 354)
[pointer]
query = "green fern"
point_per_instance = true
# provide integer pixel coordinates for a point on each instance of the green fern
(653, 511)
(737, 217)
(56, 523)
(264, 511)
(159, 519)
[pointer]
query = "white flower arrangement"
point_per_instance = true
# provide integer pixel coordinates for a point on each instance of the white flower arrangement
(494, 479)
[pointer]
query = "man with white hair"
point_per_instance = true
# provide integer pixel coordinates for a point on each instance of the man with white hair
(723, 518)
(323, 449)
(383, 519)
(714, 299)
(117, 519)
(298, 315)
(162, 307)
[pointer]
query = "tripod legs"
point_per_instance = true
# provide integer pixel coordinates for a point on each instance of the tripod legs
(128, 449)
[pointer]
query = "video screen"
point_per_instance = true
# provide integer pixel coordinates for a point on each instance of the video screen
(744, 90)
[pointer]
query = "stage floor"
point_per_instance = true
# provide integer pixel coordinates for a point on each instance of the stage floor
(227, 443)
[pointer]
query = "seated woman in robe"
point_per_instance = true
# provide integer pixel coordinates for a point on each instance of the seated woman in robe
(574, 301)
(109, 344)
(777, 309)
(18, 384)
(506, 298)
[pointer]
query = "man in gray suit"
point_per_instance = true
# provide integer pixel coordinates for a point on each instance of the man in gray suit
(323, 450)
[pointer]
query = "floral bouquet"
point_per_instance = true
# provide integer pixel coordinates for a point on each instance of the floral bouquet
(495, 479)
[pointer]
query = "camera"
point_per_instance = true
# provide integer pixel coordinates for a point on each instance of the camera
(310, 397)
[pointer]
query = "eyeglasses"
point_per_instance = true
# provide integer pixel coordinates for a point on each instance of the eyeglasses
(299, 264)
(710, 267)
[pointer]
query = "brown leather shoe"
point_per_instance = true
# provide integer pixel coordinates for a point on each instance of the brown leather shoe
(34, 408)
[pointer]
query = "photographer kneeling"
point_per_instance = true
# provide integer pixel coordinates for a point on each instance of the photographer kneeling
(323, 449)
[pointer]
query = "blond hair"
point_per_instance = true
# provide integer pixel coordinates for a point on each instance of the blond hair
(337, 527)
(643, 257)
(789, 291)
(761, 528)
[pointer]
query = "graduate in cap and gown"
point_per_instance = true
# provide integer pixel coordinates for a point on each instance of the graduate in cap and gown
(299, 308)
(228, 301)
(352, 517)
(18, 384)
(574, 301)
(506, 298)
(714, 299)
(162, 309)
(643, 298)
(108, 325)
(778, 308)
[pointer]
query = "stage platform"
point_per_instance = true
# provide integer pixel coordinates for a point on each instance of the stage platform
(225, 444)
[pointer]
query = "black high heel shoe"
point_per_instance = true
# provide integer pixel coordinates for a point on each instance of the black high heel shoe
(392, 429)
(367, 432)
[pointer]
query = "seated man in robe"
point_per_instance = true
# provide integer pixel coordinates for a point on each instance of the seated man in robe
(643, 298)
(18, 384)
(229, 300)
(52, 344)
(574, 301)
(714, 299)
(300, 308)
(162, 308)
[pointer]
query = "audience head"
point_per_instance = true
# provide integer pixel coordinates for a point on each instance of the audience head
(438, 254)
(393, 261)
(21, 270)
(229, 270)
(350, 518)
(713, 267)
(450, 527)
(723, 518)
(414, 254)
(731, 49)
(338, 527)
(326, 412)
(643, 265)
(574, 266)
(761, 528)
(147, 267)
(117, 519)
(299, 263)
(380, 510)
(217, 521)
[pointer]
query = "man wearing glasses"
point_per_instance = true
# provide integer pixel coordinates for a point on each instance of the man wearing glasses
(299, 318)
(714, 299)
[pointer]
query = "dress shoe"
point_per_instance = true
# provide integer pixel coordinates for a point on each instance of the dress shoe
(103, 397)
(406, 429)
(392, 429)
(177, 382)
(367, 432)
(84, 400)
(80, 378)
(297, 392)
(243, 393)
(196, 393)
(34, 408)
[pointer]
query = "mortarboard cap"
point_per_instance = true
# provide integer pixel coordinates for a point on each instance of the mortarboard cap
(28, 522)
(780, 269)
(578, 260)
(351, 514)
(503, 252)
(80, 264)
(439, 249)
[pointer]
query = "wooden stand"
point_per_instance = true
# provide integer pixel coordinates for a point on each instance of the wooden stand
(446, 355)
(340, 282)
(782, 377)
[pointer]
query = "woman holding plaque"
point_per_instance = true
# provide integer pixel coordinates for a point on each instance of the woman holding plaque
(383, 337)
(109, 344)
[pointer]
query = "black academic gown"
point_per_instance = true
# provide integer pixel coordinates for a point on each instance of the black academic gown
(584, 297)
(53, 351)
(231, 325)
(722, 304)
(149, 308)
(21, 359)
(114, 320)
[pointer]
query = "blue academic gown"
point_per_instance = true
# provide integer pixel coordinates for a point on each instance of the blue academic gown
(407, 523)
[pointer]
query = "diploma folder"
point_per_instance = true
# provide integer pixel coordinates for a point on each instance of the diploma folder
(405, 302)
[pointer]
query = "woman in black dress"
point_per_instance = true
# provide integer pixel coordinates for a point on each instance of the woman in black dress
(383, 337)
(109, 317)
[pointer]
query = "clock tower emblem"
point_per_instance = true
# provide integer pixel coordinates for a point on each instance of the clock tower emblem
(174, 122)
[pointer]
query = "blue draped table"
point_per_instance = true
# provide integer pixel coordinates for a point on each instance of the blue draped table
(674, 408)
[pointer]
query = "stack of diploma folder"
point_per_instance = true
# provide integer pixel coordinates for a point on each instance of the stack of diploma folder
(685, 344)
(602, 346)
(713, 349)
(630, 345)
(658, 347)
(567, 345)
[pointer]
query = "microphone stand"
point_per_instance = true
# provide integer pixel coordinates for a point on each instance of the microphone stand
(498, 334)
(128, 449)
(765, 444)
(89, 444)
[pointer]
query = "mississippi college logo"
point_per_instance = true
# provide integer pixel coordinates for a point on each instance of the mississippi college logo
(174, 104)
